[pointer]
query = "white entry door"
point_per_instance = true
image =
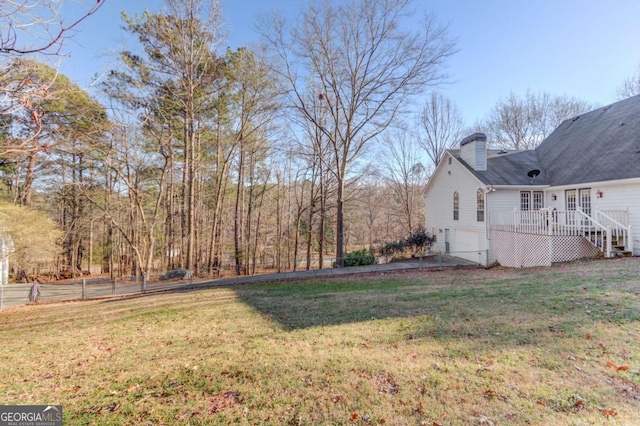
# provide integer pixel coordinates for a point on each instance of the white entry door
(447, 247)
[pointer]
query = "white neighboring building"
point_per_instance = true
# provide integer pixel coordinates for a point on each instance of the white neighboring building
(576, 195)
(6, 247)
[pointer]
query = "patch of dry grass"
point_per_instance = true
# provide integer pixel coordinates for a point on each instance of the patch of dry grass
(552, 345)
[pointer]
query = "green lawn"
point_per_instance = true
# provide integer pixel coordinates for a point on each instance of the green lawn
(545, 346)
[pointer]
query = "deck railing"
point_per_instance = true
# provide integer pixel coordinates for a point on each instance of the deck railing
(554, 222)
(539, 222)
(618, 222)
(619, 216)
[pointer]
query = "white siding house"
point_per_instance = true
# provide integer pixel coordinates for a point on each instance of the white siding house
(460, 234)
(576, 195)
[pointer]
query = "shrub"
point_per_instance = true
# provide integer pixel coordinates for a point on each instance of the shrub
(419, 240)
(359, 258)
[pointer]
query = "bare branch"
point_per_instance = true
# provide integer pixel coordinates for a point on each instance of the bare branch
(630, 86)
(37, 20)
(365, 68)
(440, 126)
(523, 122)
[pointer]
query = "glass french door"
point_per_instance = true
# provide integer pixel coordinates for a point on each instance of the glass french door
(571, 203)
(585, 201)
(574, 199)
(585, 204)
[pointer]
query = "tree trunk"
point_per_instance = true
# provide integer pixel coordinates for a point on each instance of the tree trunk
(321, 225)
(237, 238)
(25, 194)
(247, 233)
(278, 227)
(340, 225)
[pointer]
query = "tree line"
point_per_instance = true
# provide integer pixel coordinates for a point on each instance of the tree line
(283, 157)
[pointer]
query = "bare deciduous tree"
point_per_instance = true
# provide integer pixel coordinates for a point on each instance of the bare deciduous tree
(38, 21)
(439, 127)
(630, 86)
(405, 175)
(137, 170)
(366, 68)
(523, 122)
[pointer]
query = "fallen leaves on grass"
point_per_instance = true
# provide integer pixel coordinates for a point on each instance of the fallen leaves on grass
(617, 367)
(625, 387)
(485, 421)
(387, 385)
(97, 409)
(491, 394)
(609, 412)
(224, 401)
(94, 409)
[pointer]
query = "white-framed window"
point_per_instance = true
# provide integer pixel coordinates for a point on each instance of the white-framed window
(531, 200)
(571, 199)
(480, 205)
(456, 206)
(525, 201)
(538, 200)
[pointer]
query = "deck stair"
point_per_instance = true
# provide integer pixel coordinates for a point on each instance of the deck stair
(617, 221)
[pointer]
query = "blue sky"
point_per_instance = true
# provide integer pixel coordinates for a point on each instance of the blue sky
(581, 48)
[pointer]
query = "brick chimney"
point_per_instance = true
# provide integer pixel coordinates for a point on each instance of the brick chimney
(473, 151)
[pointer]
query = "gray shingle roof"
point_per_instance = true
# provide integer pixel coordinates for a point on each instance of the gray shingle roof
(597, 146)
(600, 145)
(508, 169)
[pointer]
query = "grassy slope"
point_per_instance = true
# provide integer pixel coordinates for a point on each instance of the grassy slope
(556, 345)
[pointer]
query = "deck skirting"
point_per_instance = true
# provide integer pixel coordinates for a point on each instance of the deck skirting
(520, 250)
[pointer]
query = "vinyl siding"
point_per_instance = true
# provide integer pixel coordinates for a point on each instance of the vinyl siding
(617, 195)
(475, 154)
(504, 200)
(467, 235)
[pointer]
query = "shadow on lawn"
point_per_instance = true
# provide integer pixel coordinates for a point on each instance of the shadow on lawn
(515, 307)
(518, 310)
